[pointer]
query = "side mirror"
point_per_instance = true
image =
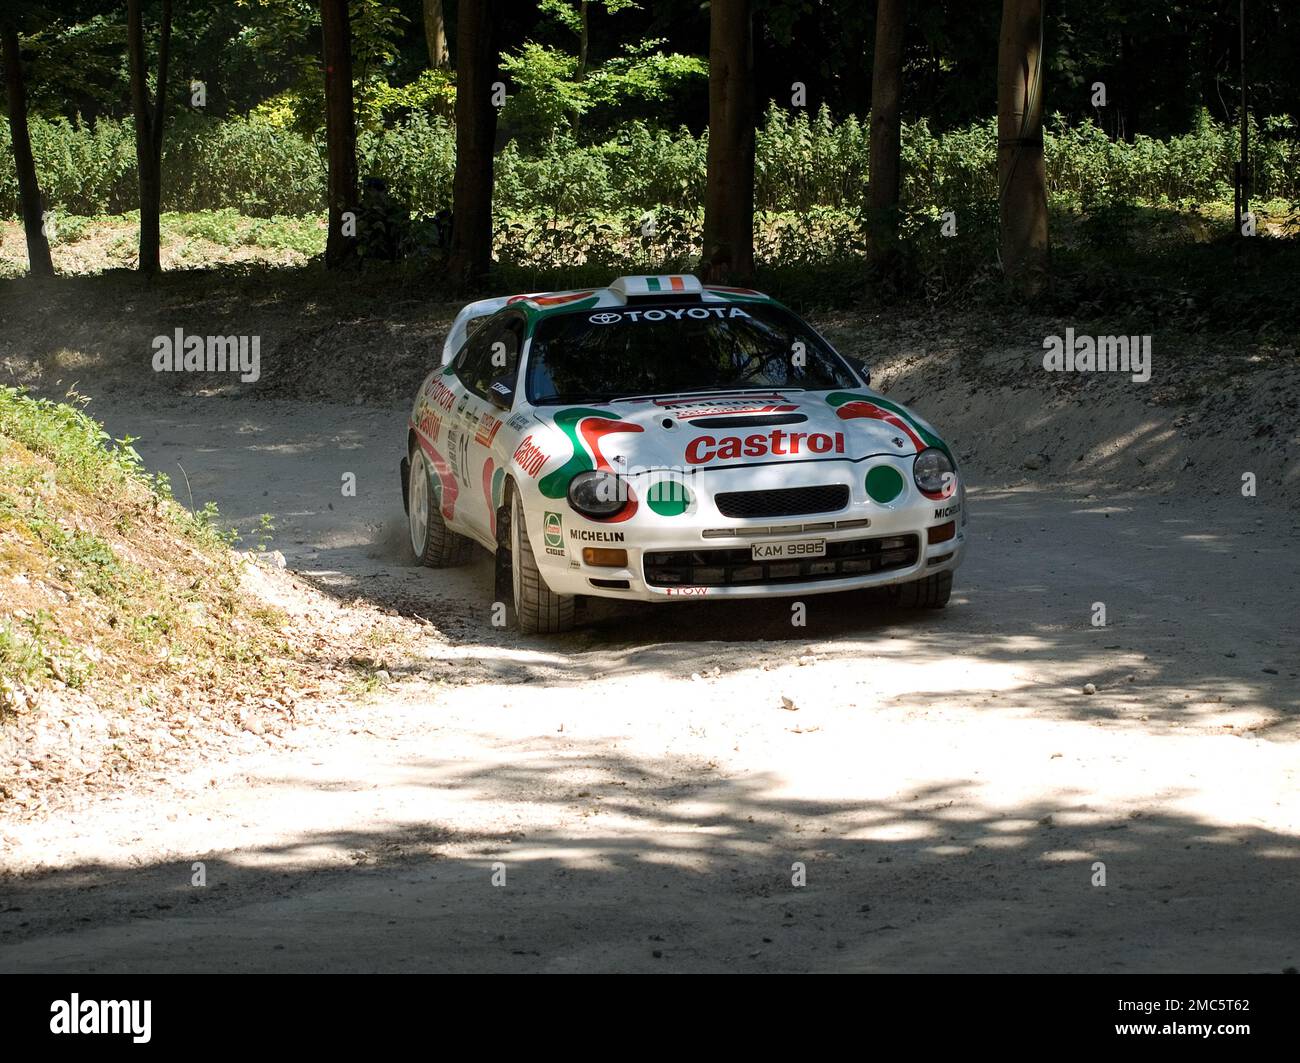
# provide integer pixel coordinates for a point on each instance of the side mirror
(864, 370)
(501, 393)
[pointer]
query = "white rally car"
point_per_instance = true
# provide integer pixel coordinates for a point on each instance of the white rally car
(659, 440)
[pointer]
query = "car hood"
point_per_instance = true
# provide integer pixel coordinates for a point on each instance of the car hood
(734, 429)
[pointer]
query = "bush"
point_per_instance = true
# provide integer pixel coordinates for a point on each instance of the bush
(565, 180)
(652, 167)
(416, 158)
(261, 167)
(250, 165)
(803, 161)
(83, 169)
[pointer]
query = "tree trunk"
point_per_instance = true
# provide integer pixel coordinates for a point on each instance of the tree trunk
(148, 129)
(583, 39)
(435, 35)
(1021, 175)
(340, 133)
(729, 188)
(29, 190)
(886, 90)
(1131, 55)
(476, 125)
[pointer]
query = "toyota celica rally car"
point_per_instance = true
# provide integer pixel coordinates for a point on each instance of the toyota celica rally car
(660, 440)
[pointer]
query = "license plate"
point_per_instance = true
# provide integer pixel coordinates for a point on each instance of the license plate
(791, 549)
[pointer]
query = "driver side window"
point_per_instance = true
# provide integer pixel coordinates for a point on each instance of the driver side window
(492, 354)
(472, 352)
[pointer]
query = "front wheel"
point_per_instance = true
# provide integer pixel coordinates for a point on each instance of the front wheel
(537, 609)
(929, 593)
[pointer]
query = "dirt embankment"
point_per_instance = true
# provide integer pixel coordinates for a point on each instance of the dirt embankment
(130, 632)
(1214, 409)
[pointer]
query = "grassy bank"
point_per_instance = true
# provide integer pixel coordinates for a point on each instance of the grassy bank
(129, 627)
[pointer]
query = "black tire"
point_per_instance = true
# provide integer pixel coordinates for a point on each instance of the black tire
(432, 542)
(538, 611)
(929, 593)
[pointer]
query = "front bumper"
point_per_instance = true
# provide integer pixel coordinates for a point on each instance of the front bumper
(710, 555)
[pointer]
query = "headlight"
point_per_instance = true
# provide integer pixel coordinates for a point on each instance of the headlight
(597, 494)
(931, 470)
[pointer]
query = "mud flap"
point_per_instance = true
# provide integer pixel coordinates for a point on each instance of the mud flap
(406, 484)
(504, 588)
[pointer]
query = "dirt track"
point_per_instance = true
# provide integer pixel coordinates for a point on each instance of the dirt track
(944, 781)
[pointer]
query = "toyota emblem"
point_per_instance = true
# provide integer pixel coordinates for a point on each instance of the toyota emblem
(603, 319)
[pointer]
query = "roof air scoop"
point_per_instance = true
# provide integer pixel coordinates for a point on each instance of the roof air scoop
(677, 288)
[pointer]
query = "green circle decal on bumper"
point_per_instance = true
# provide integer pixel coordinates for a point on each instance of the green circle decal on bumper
(884, 484)
(669, 498)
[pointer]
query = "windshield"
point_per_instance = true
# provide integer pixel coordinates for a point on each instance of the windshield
(602, 355)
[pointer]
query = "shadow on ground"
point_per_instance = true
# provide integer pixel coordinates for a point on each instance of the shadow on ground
(693, 873)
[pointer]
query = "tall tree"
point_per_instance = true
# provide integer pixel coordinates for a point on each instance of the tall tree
(1022, 179)
(476, 126)
(148, 127)
(29, 190)
(886, 90)
(729, 187)
(435, 35)
(340, 133)
(584, 39)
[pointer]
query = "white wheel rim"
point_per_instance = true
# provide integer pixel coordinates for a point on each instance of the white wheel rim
(418, 505)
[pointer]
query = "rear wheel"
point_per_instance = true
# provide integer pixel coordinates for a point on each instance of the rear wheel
(537, 609)
(929, 593)
(432, 542)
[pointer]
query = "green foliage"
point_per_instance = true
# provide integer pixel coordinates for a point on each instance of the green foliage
(206, 524)
(249, 165)
(564, 180)
(87, 459)
(551, 93)
(568, 13)
(228, 228)
(279, 233)
(417, 159)
(265, 531)
(376, 29)
(650, 166)
(801, 160)
(952, 171)
(259, 167)
(642, 73)
(84, 168)
(547, 96)
(433, 92)
(84, 453)
(21, 656)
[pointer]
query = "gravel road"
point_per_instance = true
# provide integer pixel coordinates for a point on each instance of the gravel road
(636, 796)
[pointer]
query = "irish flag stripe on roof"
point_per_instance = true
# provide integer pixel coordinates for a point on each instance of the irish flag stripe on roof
(656, 284)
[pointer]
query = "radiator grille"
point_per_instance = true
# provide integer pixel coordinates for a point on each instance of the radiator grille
(785, 502)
